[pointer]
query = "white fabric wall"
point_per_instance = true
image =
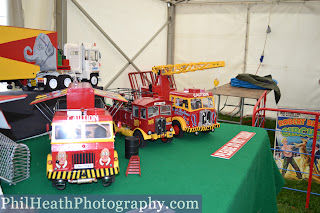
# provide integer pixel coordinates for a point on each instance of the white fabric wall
(3, 12)
(292, 51)
(217, 32)
(203, 33)
(130, 24)
(39, 14)
(210, 33)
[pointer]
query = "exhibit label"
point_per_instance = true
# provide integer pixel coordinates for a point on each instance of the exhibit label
(234, 145)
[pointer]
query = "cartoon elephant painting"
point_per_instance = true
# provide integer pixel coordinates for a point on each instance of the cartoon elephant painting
(43, 53)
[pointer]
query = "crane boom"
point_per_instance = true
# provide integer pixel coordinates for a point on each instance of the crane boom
(183, 68)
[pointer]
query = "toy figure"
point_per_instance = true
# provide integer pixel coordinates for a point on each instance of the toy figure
(288, 158)
(61, 160)
(104, 157)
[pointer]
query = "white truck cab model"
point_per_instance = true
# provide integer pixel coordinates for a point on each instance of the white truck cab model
(84, 60)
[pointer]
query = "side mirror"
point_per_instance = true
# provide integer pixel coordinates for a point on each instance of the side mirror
(118, 127)
(48, 130)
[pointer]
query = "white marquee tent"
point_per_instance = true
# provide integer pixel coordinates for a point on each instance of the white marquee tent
(233, 31)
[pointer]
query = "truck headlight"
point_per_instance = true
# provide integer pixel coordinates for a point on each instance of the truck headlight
(149, 132)
(171, 129)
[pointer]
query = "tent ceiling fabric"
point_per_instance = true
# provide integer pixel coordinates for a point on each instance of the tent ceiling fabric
(130, 24)
(233, 1)
(203, 33)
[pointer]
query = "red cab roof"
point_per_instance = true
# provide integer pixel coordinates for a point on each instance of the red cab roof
(80, 95)
(192, 93)
(91, 115)
(147, 101)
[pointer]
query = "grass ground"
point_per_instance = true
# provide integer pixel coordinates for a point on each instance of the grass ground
(288, 200)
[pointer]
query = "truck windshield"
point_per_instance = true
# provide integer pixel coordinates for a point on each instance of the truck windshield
(196, 103)
(207, 102)
(82, 131)
(93, 56)
(165, 110)
(153, 111)
(67, 131)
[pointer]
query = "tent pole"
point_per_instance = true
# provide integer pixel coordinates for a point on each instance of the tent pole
(171, 33)
(247, 38)
(61, 21)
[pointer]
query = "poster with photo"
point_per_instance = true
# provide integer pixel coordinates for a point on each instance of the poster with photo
(294, 136)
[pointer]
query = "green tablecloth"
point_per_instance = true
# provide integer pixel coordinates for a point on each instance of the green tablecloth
(248, 182)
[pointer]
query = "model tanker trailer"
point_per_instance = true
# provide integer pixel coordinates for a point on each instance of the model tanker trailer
(31, 59)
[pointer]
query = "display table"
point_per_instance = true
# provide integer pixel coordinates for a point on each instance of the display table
(248, 182)
(242, 93)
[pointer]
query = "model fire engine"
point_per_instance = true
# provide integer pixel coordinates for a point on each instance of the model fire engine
(148, 118)
(193, 110)
(82, 141)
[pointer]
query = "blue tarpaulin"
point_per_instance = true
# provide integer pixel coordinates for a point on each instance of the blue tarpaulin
(238, 83)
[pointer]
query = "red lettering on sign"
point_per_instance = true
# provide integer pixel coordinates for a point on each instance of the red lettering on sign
(234, 145)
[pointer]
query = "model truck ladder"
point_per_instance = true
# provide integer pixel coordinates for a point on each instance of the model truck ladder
(138, 79)
(141, 79)
(182, 68)
(134, 165)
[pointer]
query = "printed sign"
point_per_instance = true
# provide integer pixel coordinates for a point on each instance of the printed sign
(160, 103)
(234, 145)
(293, 146)
(83, 166)
(93, 118)
(200, 94)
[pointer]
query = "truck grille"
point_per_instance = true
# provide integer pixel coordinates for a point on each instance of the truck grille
(205, 118)
(160, 126)
(83, 158)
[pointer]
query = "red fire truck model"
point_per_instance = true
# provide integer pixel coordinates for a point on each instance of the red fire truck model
(193, 110)
(82, 141)
(148, 118)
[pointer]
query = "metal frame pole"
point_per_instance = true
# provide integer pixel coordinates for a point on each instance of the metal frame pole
(135, 56)
(315, 133)
(171, 33)
(241, 109)
(104, 34)
(14, 13)
(247, 39)
(218, 108)
(61, 21)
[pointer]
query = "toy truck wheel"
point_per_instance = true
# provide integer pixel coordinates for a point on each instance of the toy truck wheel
(64, 81)
(9, 86)
(212, 130)
(142, 141)
(166, 140)
(52, 83)
(59, 184)
(94, 80)
(107, 181)
(27, 88)
(178, 130)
